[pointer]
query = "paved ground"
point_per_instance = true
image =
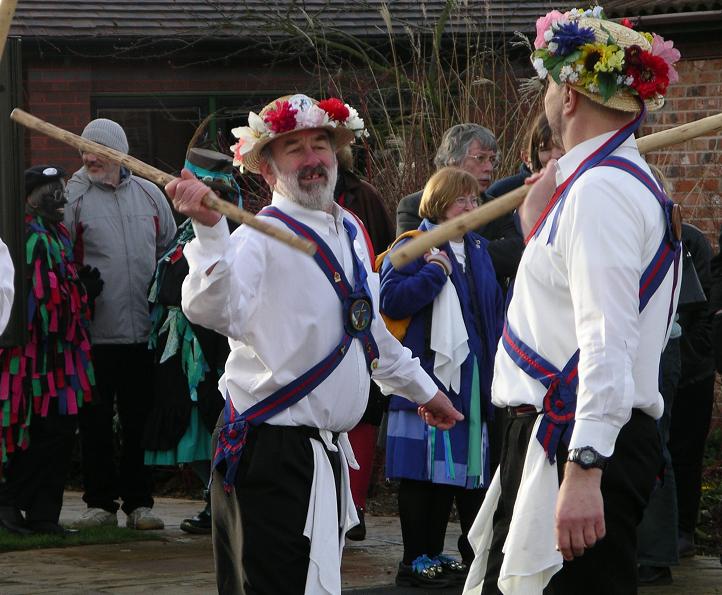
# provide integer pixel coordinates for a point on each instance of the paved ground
(182, 564)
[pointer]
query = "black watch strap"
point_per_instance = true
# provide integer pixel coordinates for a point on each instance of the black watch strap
(587, 458)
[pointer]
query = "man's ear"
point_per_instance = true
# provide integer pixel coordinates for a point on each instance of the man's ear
(267, 172)
(570, 100)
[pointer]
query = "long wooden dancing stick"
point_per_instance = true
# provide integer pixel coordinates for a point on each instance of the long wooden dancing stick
(149, 172)
(510, 201)
(7, 11)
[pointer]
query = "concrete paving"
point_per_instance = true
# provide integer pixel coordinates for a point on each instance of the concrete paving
(182, 564)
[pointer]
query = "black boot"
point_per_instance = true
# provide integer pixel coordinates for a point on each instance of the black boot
(199, 524)
(11, 519)
(358, 533)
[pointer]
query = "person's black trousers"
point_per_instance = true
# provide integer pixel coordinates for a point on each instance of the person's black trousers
(424, 509)
(610, 567)
(691, 416)
(258, 542)
(124, 378)
(35, 477)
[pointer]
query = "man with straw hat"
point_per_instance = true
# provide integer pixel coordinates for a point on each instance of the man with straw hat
(578, 363)
(305, 337)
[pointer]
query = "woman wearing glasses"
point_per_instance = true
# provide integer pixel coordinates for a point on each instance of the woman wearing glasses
(455, 307)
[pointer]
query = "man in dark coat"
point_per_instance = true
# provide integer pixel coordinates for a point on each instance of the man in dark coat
(474, 149)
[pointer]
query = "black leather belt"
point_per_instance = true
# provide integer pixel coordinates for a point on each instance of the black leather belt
(521, 411)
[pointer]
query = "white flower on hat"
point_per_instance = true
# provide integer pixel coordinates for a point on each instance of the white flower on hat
(355, 122)
(312, 117)
(538, 64)
(567, 74)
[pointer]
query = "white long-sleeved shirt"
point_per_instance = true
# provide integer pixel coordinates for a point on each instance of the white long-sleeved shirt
(583, 291)
(7, 291)
(282, 317)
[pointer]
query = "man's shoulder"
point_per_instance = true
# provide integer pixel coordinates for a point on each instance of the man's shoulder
(77, 185)
(411, 199)
(147, 185)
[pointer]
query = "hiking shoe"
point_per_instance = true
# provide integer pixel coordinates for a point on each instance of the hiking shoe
(358, 532)
(199, 524)
(422, 572)
(452, 569)
(142, 518)
(95, 517)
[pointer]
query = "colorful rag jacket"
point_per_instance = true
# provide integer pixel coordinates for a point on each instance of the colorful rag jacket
(54, 368)
(189, 359)
(459, 456)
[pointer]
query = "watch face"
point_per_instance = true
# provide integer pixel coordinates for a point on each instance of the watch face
(586, 457)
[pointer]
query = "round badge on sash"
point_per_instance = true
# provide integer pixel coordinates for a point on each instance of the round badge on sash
(360, 314)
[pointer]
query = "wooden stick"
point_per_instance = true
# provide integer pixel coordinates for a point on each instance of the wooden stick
(7, 11)
(494, 209)
(161, 178)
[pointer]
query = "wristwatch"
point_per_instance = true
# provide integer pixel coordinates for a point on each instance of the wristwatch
(586, 457)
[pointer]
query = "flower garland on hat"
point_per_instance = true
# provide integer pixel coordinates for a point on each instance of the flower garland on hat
(296, 113)
(570, 52)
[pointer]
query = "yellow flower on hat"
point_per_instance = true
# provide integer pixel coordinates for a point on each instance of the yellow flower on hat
(610, 60)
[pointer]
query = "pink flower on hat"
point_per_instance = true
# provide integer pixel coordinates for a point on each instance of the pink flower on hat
(668, 53)
(543, 24)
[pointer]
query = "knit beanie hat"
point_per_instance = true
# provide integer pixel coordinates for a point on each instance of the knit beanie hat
(107, 133)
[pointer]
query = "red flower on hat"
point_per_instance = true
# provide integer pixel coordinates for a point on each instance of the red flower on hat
(282, 118)
(650, 74)
(335, 109)
(627, 23)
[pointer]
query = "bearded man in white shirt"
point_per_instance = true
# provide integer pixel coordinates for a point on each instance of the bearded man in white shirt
(578, 365)
(280, 496)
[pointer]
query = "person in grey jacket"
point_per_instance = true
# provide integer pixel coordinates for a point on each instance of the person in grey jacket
(120, 224)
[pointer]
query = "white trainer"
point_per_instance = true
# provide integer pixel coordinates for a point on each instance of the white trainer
(142, 518)
(95, 517)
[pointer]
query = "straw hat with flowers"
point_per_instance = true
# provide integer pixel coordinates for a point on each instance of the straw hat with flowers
(609, 62)
(289, 114)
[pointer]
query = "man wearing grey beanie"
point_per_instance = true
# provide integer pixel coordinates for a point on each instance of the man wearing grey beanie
(120, 224)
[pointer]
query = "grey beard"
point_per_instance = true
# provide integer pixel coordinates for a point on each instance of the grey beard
(318, 198)
(107, 177)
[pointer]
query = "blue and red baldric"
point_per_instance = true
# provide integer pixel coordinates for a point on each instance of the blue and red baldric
(560, 401)
(357, 314)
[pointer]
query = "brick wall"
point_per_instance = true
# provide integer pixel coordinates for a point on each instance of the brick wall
(61, 93)
(694, 169)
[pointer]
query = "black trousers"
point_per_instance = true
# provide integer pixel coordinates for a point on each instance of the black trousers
(691, 415)
(610, 567)
(35, 477)
(424, 509)
(124, 378)
(258, 542)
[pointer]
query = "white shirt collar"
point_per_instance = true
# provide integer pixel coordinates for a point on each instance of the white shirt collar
(571, 160)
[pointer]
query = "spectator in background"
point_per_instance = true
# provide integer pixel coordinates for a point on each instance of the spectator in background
(456, 311)
(364, 201)
(692, 410)
(120, 224)
(474, 149)
(538, 149)
(189, 359)
(47, 380)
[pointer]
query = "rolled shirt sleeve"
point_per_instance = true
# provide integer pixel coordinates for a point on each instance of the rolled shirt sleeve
(7, 291)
